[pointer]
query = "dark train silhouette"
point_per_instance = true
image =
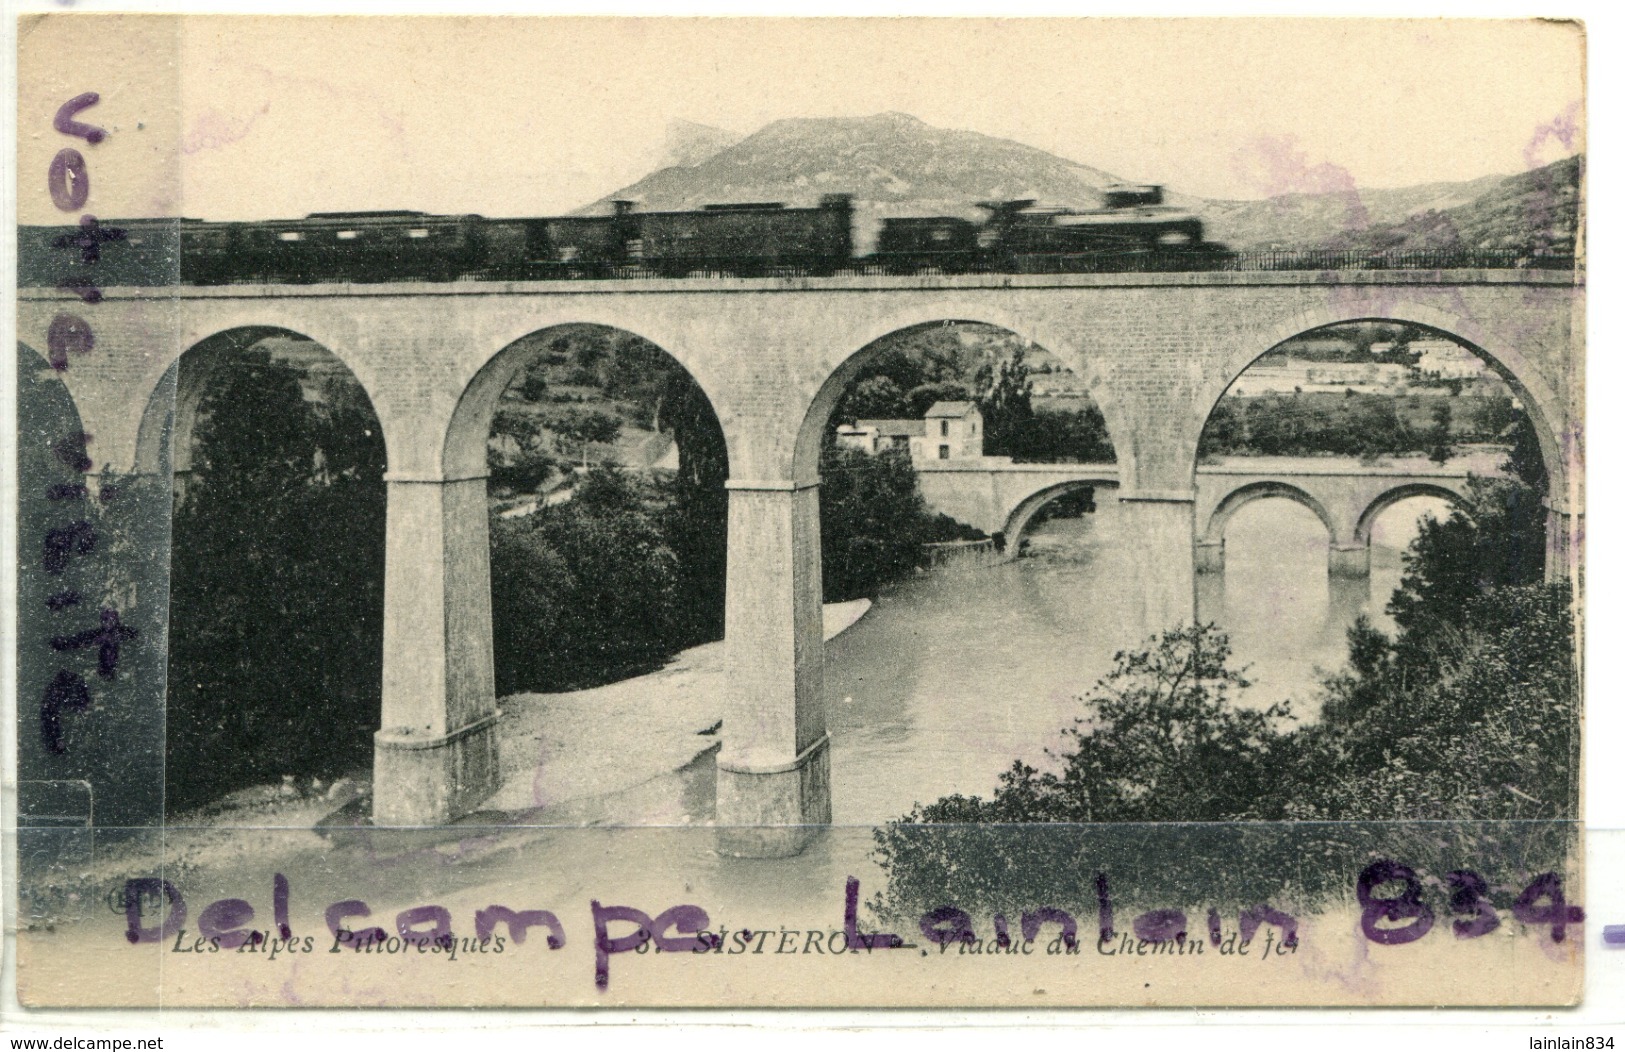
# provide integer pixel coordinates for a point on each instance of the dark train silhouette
(1134, 231)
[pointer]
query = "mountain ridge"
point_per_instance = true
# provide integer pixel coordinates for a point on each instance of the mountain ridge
(895, 164)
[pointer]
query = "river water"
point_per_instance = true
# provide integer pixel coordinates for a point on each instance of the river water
(955, 674)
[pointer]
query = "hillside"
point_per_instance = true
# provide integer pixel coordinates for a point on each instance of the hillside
(897, 165)
(1319, 220)
(1537, 211)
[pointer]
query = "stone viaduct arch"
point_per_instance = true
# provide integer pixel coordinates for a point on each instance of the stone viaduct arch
(163, 450)
(996, 496)
(32, 361)
(1016, 523)
(1368, 518)
(1157, 351)
(1250, 492)
(1346, 502)
(163, 440)
(1538, 385)
(859, 350)
(1546, 409)
(440, 701)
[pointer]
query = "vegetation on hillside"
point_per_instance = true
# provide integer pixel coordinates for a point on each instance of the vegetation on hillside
(1532, 213)
(1356, 425)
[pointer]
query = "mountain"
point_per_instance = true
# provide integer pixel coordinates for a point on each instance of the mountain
(1538, 210)
(897, 165)
(892, 164)
(689, 144)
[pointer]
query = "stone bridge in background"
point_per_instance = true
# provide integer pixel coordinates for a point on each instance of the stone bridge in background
(1156, 352)
(997, 496)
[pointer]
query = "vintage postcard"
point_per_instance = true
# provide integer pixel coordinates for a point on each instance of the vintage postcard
(543, 512)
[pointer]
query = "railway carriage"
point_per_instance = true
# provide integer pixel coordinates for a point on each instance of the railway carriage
(365, 247)
(943, 243)
(748, 239)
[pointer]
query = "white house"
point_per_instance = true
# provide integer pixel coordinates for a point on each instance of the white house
(877, 436)
(953, 431)
(950, 431)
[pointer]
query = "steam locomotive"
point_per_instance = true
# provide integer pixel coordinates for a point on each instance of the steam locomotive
(1134, 230)
(1016, 236)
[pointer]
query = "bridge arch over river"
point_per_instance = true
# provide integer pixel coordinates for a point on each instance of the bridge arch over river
(997, 496)
(1157, 351)
(1346, 498)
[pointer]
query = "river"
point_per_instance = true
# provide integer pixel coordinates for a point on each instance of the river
(954, 674)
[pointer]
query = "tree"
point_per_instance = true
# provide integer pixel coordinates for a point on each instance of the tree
(1525, 461)
(876, 398)
(276, 587)
(1496, 416)
(1497, 541)
(514, 456)
(1160, 741)
(1005, 397)
(522, 429)
(1076, 436)
(921, 398)
(578, 428)
(522, 471)
(589, 591)
(533, 385)
(697, 524)
(1376, 427)
(1226, 431)
(1438, 437)
(872, 520)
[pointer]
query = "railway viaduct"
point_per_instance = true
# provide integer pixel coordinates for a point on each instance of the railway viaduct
(1156, 351)
(997, 496)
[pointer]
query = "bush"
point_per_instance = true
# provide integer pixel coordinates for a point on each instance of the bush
(583, 592)
(526, 471)
(1184, 800)
(872, 521)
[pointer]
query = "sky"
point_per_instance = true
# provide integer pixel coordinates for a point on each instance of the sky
(256, 117)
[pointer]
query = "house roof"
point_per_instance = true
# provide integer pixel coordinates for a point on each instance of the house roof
(895, 428)
(949, 409)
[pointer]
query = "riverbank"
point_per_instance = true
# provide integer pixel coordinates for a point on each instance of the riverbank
(568, 748)
(560, 753)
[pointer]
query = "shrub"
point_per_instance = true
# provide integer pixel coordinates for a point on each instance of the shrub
(584, 592)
